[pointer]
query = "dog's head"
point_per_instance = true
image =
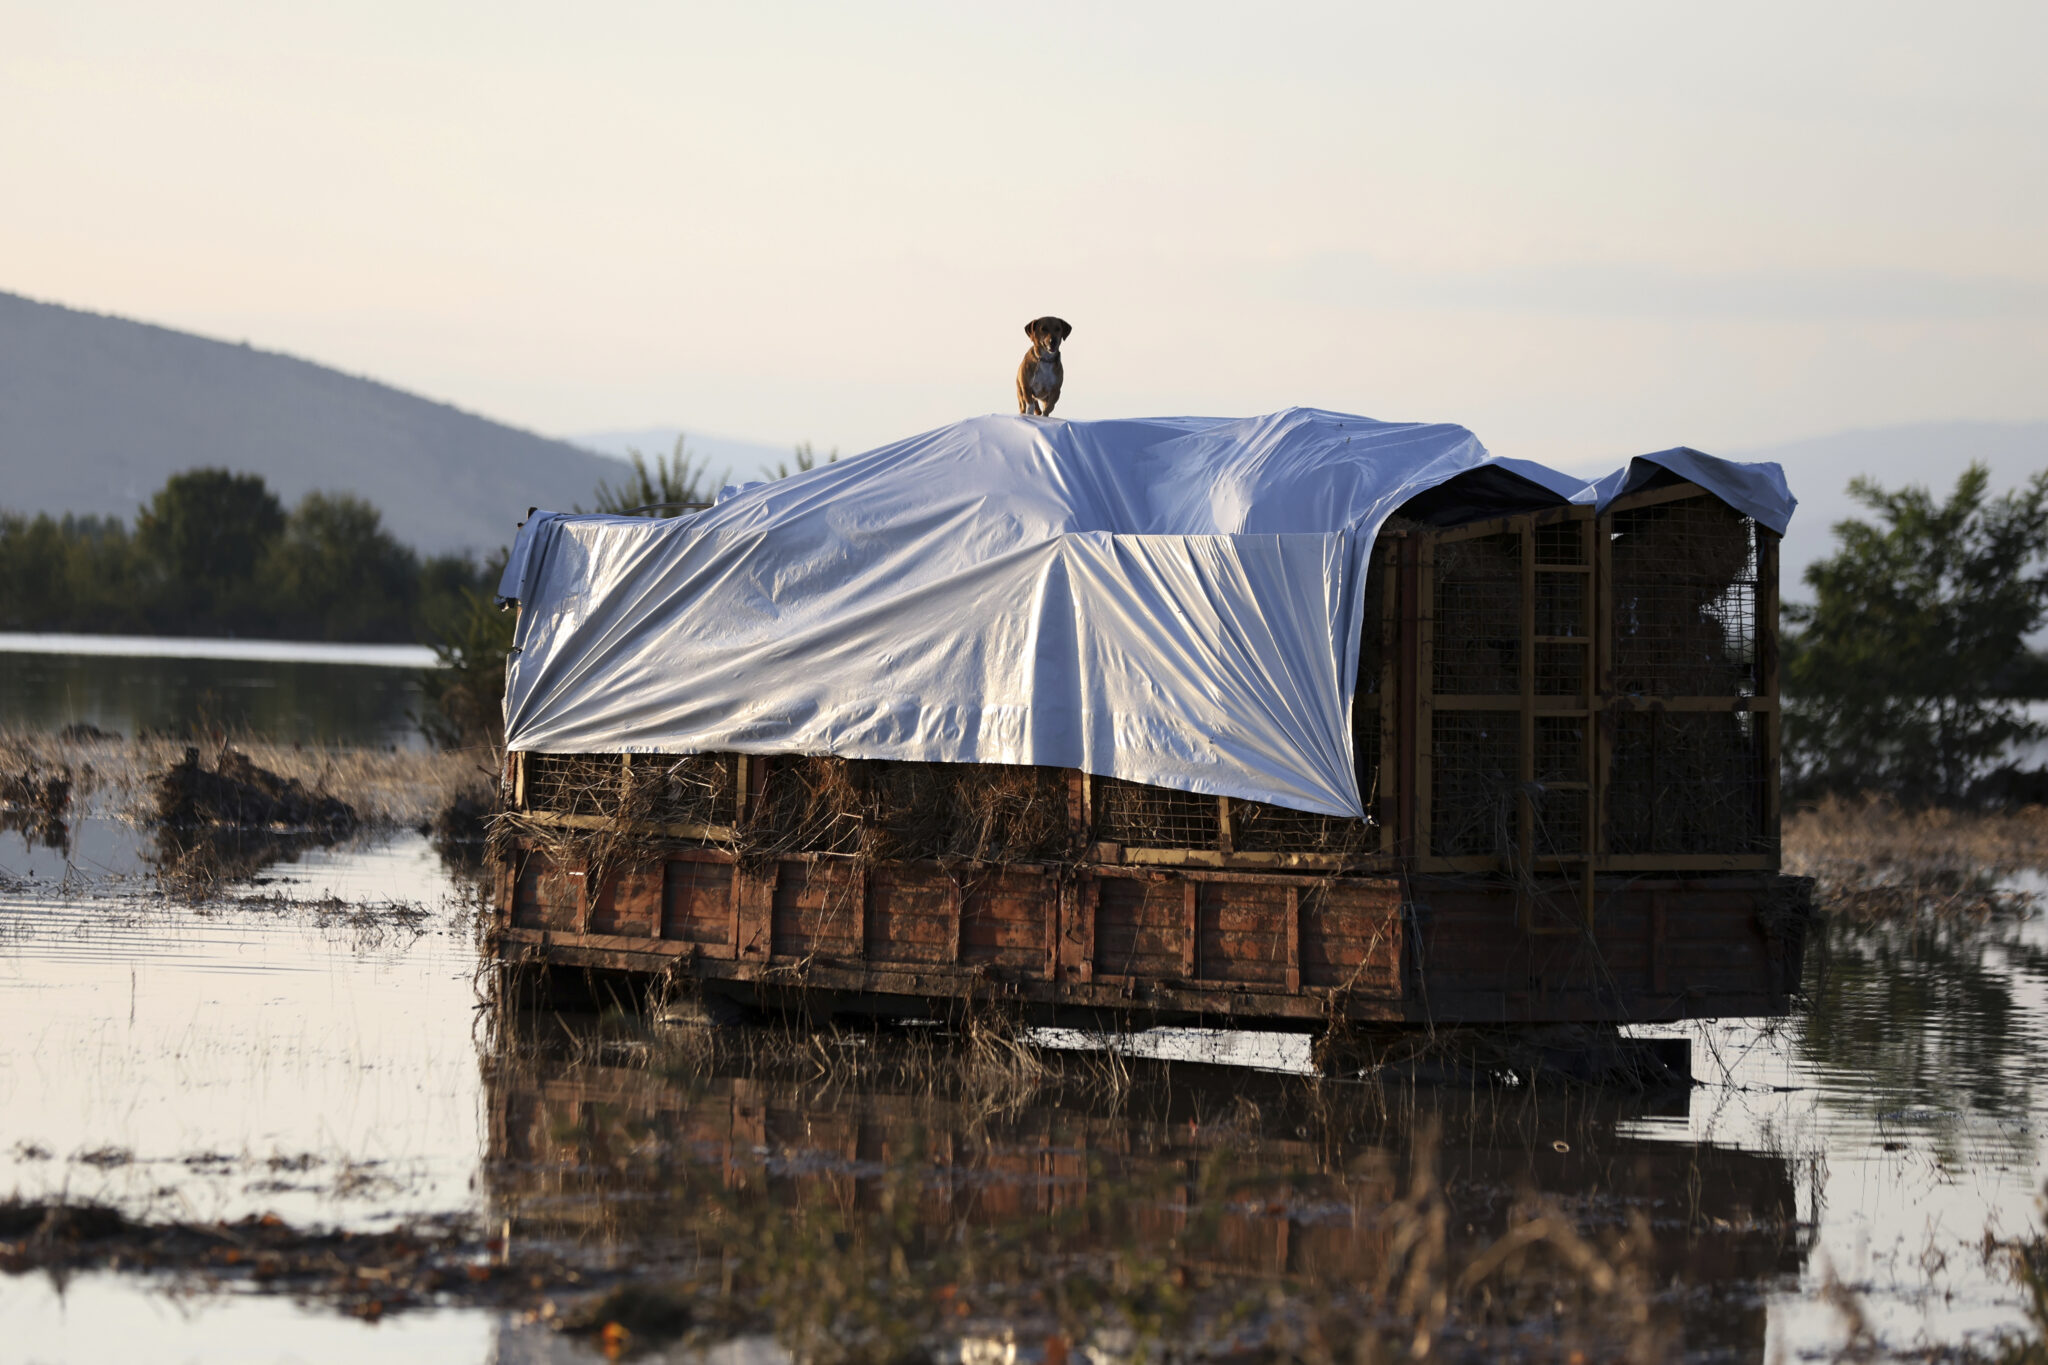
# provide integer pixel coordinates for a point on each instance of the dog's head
(1046, 335)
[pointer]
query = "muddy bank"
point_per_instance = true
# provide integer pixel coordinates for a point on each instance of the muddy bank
(363, 1274)
(387, 788)
(1875, 861)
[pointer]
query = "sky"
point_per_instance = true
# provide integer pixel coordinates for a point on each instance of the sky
(1582, 230)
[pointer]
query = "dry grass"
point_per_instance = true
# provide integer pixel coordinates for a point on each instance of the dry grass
(110, 776)
(1874, 860)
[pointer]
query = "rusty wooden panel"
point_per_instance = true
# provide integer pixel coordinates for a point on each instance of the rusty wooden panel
(1140, 927)
(1351, 937)
(816, 909)
(910, 914)
(1689, 919)
(546, 896)
(1243, 931)
(1077, 931)
(630, 902)
(1003, 918)
(753, 900)
(696, 903)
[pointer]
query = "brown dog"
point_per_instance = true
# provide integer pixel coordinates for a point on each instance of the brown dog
(1040, 376)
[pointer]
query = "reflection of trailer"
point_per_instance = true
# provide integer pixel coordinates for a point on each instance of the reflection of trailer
(1566, 730)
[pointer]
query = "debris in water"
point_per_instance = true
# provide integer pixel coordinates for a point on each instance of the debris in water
(238, 794)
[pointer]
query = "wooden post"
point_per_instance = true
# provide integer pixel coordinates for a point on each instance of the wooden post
(1423, 716)
(1190, 951)
(1078, 833)
(1223, 837)
(1602, 720)
(1393, 638)
(1293, 938)
(1589, 744)
(956, 906)
(1525, 804)
(1767, 679)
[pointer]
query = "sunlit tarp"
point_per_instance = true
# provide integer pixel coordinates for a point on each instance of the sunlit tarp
(1174, 601)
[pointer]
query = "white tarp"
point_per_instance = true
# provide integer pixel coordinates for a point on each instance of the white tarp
(1174, 601)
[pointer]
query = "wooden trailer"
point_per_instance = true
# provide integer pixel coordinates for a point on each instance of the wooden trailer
(1566, 727)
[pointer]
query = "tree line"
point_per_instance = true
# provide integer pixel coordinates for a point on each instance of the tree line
(1911, 671)
(217, 553)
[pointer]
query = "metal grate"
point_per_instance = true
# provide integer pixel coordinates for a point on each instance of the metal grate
(988, 812)
(1562, 542)
(1560, 824)
(1256, 827)
(1478, 633)
(1475, 760)
(809, 803)
(1561, 604)
(1686, 782)
(574, 784)
(1560, 749)
(1138, 816)
(1685, 583)
(687, 789)
(1560, 670)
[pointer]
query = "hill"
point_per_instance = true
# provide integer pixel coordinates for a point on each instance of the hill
(96, 412)
(742, 460)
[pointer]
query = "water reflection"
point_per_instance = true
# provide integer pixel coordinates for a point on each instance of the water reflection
(292, 701)
(1232, 1185)
(1942, 1026)
(186, 1047)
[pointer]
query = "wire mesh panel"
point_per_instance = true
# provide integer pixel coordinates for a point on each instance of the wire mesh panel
(1560, 669)
(1560, 827)
(1478, 630)
(1560, 749)
(809, 803)
(574, 784)
(685, 789)
(1561, 603)
(987, 812)
(1561, 542)
(1138, 816)
(1475, 761)
(1257, 827)
(1685, 600)
(1686, 782)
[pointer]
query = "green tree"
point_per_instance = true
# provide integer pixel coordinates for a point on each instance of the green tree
(336, 573)
(678, 481)
(1909, 672)
(204, 534)
(806, 456)
(465, 696)
(77, 573)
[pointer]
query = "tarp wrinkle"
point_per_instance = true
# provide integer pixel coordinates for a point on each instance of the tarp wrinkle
(1173, 601)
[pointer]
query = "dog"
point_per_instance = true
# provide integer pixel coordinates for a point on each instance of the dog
(1040, 376)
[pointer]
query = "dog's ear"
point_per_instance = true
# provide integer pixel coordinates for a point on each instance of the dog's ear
(1031, 329)
(1066, 329)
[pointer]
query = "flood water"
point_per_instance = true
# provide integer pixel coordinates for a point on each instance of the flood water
(286, 690)
(313, 1043)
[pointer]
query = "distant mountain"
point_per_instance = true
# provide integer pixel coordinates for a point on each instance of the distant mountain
(743, 460)
(1928, 453)
(96, 412)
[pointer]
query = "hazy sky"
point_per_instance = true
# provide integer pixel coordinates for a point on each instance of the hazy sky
(1582, 230)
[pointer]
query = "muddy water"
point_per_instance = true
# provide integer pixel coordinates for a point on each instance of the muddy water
(310, 1044)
